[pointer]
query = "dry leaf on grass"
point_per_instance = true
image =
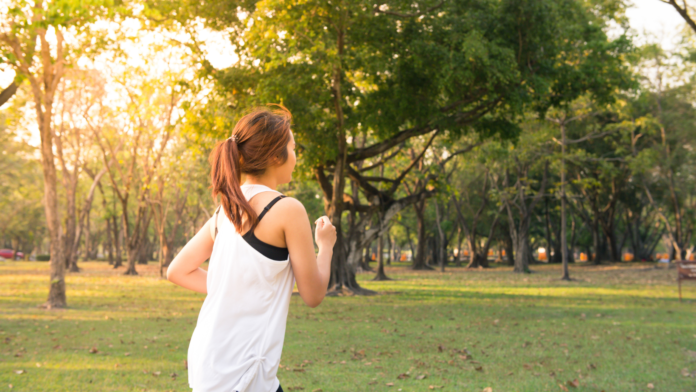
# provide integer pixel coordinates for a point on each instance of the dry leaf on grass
(93, 350)
(420, 377)
(487, 389)
(563, 387)
(20, 371)
(156, 374)
(651, 386)
(575, 383)
(402, 376)
(390, 384)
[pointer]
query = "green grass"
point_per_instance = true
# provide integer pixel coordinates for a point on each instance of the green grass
(615, 328)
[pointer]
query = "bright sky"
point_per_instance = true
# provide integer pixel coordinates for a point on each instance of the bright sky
(651, 20)
(657, 19)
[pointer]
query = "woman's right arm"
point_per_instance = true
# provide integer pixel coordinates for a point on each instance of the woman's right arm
(185, 269)
(312, 271)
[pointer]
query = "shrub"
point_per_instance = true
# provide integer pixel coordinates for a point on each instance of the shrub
(43, 257)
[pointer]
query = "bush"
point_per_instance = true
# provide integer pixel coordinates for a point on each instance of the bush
(43, 257)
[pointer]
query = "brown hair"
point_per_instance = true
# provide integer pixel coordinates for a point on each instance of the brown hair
(258, 141)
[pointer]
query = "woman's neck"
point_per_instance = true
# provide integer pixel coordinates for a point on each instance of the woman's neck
(269, 182)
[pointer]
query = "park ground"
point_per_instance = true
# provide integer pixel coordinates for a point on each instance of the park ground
(617, 327)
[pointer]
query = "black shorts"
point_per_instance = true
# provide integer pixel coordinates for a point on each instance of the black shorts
(280, 389)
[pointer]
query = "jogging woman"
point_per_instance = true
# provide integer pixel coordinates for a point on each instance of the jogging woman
(259, 243)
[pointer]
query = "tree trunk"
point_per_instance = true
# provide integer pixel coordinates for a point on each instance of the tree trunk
(390, 248)
(110, 246)
(380, 260)
(509, 250)
(419, 259)
(596, 258)
(117, 237)
(70, 227)
(56, 294)
(442, 243)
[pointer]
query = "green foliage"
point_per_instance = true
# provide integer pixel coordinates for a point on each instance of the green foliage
(452, 65)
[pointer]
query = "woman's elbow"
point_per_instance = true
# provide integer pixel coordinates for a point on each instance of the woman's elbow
(171, 275)
(314, 301)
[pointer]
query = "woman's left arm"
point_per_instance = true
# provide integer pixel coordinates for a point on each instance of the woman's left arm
(185, 269)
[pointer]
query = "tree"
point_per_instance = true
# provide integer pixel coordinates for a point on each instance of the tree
(22, 220)
(147, 128)
(518, 170)
(683, 11)
(39, 40)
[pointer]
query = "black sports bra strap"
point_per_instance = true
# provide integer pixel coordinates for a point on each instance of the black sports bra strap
(268, 207)
(216, 216)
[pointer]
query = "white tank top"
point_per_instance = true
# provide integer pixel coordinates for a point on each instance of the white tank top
(238, 340)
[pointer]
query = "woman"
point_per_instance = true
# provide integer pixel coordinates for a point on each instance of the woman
(259, 246)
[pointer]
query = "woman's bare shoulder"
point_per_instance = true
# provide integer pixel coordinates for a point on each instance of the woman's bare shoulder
(291, 205)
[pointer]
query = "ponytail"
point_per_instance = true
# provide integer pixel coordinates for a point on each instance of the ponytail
(226, 176)
(257, 141)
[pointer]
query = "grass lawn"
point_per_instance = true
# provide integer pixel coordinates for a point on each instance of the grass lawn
(615, 328)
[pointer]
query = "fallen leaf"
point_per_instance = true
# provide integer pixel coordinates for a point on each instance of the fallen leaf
(575, 383)
(685, 372)
(651, 386)
(127, 354)
(20, 371)
(527, 366)
(372, 383)
(402, 376)
(317, 390)
(487, 389)
(390, 384)
(173, 375)
(156, 374)
(563, 387)
(93, 350)
(420, 377)
(479, 368)
(298, 370)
